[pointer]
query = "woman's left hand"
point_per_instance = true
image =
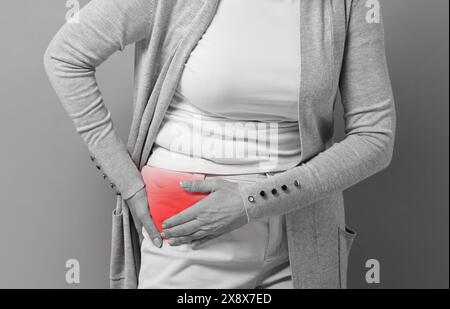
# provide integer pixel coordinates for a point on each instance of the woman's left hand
(220, 212)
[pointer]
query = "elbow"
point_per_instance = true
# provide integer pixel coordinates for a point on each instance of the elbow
(387, 159)
(386, 140)
(55, 57)
(390, 145)
(380, 157)
(387, 152)
(379, 149)
(48, 60)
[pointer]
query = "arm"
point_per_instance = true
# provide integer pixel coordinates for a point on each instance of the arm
(367, 149)
(370, 129)
(105, 27)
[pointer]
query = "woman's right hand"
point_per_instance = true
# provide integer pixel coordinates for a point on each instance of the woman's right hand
(139, 209)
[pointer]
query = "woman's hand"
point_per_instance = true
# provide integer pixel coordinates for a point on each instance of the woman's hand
(138, 205)
(220, 212)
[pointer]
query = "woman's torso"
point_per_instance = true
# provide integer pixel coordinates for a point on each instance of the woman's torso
(235, 108)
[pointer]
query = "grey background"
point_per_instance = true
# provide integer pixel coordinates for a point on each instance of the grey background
(55, 205)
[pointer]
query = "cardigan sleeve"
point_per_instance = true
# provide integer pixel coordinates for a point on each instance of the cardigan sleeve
(104, 27)
(369, 114)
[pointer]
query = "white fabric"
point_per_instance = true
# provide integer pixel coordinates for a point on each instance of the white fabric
(255, 255)
(235, 108)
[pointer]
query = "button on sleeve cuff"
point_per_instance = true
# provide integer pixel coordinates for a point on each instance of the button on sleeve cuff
(115, 164)
(279, 194)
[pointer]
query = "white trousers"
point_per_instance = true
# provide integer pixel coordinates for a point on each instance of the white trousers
(253, 256)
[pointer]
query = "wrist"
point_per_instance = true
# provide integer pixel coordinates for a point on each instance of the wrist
(243, 192)
(245, 213)
(138, 197)
(273, 196)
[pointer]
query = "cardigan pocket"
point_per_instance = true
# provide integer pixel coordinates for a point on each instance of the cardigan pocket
(346, 237)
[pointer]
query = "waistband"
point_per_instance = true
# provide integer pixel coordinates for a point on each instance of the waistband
(253, 177)
(242, 177)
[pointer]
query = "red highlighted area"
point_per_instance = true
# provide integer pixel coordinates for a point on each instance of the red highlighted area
(165, 195)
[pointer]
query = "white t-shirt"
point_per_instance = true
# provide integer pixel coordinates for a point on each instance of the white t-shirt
(235, 108)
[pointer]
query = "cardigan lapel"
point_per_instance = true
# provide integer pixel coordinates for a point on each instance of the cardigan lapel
(316, 75)
(179, 57)
(322, 36)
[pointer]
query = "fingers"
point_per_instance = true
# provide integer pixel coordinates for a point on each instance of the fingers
(186, 215)
(142, 213)
(151, 230)
(204, 186)
(178, 241)
(185, 229)
(191, 213)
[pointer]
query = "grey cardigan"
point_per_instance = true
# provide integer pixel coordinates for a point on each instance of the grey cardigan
(341, 53)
